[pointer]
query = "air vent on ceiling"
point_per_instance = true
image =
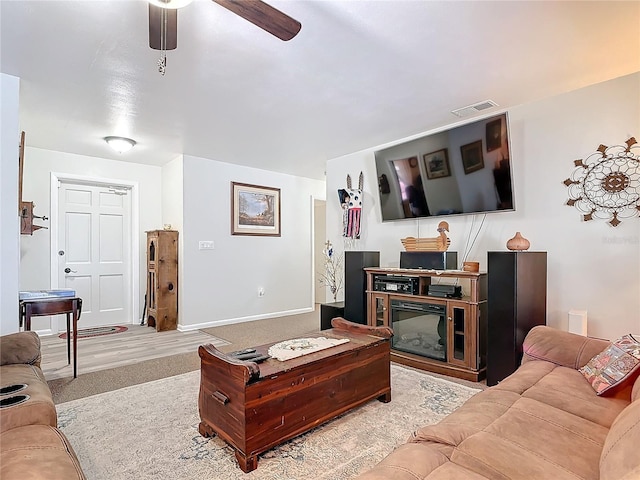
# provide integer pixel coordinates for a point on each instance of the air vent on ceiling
(475, 108)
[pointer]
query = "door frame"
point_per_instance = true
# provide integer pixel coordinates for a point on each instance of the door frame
(315, 223)
(56, 179)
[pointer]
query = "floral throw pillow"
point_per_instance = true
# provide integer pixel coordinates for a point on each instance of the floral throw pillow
(612, 367)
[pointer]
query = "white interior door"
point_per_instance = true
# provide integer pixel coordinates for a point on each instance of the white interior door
(94, 257)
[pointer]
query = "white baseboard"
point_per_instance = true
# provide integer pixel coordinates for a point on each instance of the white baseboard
(251, 318)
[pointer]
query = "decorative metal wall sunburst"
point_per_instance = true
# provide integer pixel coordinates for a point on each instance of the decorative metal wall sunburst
(607, 184)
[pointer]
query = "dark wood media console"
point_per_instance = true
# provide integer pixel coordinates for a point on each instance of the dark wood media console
(255, 407)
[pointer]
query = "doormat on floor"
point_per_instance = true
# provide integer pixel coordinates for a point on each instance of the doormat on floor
(97, 331)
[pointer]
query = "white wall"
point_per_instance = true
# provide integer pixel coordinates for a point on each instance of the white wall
(10, 231)
(172, 194)
(591, 265)
(221, 285)
(173, 210)
(193, 195)
(35, 249)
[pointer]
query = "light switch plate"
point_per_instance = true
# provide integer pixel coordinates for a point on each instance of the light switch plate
(205, 245)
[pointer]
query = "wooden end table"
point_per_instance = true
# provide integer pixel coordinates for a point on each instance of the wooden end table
(71, 306)
(255, 407)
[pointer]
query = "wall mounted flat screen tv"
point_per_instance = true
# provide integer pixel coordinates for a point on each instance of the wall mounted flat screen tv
(461, 170)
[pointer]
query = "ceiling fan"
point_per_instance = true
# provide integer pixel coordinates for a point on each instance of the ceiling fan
(163, 20)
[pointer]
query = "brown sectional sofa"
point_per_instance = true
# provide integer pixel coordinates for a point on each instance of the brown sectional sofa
(542, 422)
(31, 446)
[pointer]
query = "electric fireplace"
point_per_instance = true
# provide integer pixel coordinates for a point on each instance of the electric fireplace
(419, 328)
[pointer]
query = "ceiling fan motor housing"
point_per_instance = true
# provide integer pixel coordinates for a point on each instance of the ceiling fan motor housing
(163, 20)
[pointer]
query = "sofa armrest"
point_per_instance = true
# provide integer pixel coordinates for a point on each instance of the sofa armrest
(560, 347)
(21, 347)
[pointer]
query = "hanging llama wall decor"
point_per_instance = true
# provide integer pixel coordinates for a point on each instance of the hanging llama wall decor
(351, 202)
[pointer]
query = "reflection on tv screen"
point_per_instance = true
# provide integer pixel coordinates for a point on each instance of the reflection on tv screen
(460, 170)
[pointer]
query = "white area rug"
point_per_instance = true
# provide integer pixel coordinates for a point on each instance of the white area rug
(150, 431)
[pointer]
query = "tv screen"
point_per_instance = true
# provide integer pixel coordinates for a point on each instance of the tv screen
(461, 170)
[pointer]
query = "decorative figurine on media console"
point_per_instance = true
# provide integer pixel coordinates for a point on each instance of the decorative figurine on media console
(433, 244)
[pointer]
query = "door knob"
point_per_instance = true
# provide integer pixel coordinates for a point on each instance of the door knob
(68, 270)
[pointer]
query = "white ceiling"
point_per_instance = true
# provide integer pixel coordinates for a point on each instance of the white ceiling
(359, 74)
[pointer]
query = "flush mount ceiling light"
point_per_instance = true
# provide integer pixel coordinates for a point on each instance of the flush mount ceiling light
(120, 144)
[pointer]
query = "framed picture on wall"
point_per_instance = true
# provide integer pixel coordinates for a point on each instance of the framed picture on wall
(472, 156)
(436, 164)
(255, 210)
(494, 135)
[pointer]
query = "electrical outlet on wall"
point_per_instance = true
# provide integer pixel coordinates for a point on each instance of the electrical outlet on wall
(261, 292)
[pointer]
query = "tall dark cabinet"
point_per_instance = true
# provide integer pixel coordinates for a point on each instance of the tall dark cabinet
(517, 302)
(355, 284)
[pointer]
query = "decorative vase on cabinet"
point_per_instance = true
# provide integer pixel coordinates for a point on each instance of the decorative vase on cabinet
(162, 279)
(518, 243)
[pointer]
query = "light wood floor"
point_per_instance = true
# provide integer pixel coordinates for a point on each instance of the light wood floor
(138, 343)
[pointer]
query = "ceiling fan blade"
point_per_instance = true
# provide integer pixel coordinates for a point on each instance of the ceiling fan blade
(157, 18)
(264, 16)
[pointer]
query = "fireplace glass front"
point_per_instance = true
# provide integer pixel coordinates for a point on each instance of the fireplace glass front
(419, 328)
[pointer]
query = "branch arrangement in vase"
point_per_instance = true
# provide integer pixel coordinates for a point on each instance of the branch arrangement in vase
(332, 276)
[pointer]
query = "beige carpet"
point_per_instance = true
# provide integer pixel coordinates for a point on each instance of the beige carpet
(259, 332)
(69, 388)
(150, 431)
